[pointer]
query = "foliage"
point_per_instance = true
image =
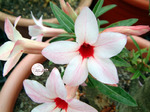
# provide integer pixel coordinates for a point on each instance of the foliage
(140, 65)
(63, 18)
(116, 93)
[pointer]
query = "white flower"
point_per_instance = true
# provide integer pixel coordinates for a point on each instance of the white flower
(90, 53)
(53, 96)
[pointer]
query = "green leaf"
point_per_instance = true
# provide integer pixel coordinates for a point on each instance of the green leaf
(98, 7)
(50, 63)
(72, 35)
(63, 18)
(146, 69)
(116, 93)
(53, 25)
(148, 56)
(127, 22)
(137, 73)
(98, 22)
(64, 36)
(105, 9)
(102, 22)
(135, 43)
(119, 62)
(131, 69)
(124, 53)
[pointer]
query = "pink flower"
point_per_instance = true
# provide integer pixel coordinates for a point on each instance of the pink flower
(38, 31)
(12, 50)
(129, 30)
(90, 53)
(53, 96)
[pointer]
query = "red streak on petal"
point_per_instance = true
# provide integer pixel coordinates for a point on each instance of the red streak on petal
(86, 50)
(61, 104)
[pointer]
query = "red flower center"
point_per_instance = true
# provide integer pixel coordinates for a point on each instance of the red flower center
(61, 104)
(86, 50)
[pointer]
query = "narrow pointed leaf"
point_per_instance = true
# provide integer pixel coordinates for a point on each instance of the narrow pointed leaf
(127, 22)
(98, 7)
(137, 46)
(53, 25)
(105, 9)
(148, 56)
(64, 36)
(102, 22)
(119, 62)
(63, 18)
(116, 93)
(98, 22)
(135, 43)
(136, 75)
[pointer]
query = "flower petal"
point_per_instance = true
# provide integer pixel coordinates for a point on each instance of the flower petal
(9, 29)
(37, 22)
(103, 70)
(50, 32)
(109, 44)
(35, 30)
(16, 21)
(86, 28)
(5, 50)
(78, 106)
(57, 110)
(76, 71)
(61, 52)
(12, 59)
(45, 107)
(38, 38)
(55, 85)
(36, 91)
(17, 35)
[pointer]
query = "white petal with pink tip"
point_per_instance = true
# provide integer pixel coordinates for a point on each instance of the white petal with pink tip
(61, 52)
(35, 30)
(16, 21)
(37, 22)
(17, 35)
(78, 106)
(76, 71)
(45, 107)
(5, 50)
(86, 28)
(9, 29)
(109, 44)
(103, 70)
(36, 91)
(55, 85)
(12, 61)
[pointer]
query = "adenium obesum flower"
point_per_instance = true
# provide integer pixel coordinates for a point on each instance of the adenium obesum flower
(39, 31)
(53, 96)
(12, 50)
(130, 30)
(90, 53)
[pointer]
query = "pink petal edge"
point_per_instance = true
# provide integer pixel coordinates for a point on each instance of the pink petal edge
(55, 85)
(86, 27)
(76, 71)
